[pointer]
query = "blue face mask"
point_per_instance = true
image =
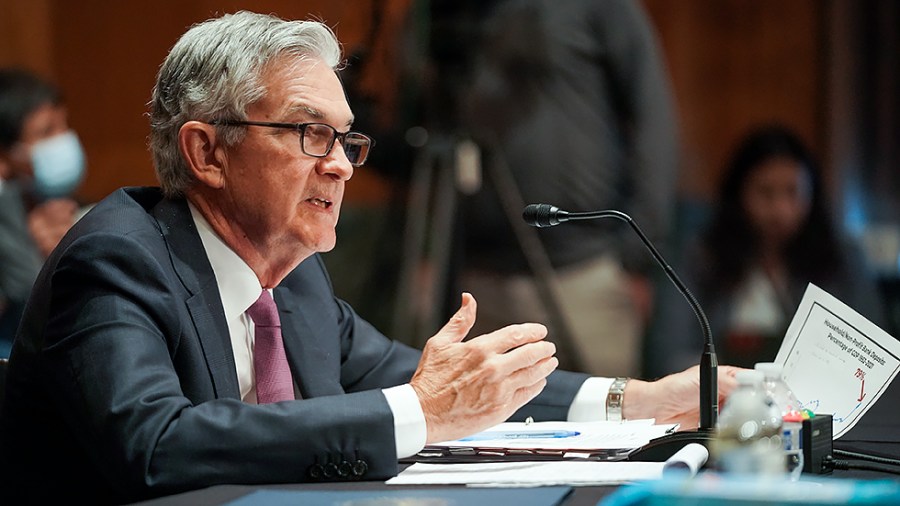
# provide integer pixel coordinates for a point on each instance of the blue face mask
(58, 165)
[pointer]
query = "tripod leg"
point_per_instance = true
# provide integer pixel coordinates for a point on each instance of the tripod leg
(427, 245)
(538, 260)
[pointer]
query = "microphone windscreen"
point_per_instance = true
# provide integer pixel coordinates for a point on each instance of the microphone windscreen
(540, 215)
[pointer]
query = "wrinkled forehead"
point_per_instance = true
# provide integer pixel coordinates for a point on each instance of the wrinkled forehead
(301, 89)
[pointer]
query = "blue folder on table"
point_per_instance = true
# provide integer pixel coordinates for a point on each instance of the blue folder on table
(539, 496)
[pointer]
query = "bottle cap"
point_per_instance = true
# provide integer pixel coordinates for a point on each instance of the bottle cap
(749, 377)
(772, 370)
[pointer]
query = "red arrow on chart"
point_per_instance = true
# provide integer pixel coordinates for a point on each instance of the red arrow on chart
(862, 387)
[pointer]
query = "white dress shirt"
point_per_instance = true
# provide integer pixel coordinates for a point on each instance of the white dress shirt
(239, 288)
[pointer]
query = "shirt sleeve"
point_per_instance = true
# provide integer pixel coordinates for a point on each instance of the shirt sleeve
(589, 404)
(409, 420)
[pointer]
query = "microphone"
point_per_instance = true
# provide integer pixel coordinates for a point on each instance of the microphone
(546, 215)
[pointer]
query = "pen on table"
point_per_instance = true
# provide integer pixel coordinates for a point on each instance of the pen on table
(540, 434)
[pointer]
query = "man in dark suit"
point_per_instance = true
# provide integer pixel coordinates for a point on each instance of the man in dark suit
(152, 358)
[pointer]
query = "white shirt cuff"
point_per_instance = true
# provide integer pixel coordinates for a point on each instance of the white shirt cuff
(410, 432)
(589, 404)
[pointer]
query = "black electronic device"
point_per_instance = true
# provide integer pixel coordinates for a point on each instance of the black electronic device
(816, 441)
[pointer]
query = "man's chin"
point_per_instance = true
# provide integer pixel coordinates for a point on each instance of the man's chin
(326, 245)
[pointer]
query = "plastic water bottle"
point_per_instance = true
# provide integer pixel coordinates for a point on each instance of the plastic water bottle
(788, 408)
(748, 435)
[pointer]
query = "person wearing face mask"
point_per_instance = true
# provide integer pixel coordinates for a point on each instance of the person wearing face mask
(41, 164)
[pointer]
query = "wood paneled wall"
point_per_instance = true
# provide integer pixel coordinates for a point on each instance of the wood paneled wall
(738, 63)
(733, 63)
(26, 37)
(104, 54)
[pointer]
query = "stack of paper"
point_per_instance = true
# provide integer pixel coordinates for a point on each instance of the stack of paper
(529, 474)
(548, 441)
(686, 462)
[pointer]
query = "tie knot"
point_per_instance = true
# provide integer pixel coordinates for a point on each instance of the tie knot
(264, 311)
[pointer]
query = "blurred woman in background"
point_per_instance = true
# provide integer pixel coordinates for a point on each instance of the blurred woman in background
(771, 234)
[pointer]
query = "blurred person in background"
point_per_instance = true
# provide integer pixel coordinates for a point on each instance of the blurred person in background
(41, 165)
(771, 234)
(575, 99)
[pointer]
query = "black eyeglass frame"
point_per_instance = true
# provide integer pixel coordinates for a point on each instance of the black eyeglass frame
(301, 129)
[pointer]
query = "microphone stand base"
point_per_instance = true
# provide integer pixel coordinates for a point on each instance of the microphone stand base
(661, 448)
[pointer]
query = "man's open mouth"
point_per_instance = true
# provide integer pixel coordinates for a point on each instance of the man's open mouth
(324, 204)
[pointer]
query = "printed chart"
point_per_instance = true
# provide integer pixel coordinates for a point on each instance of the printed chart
(835, 360)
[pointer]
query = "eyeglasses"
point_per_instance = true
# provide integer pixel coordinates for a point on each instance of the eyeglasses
(317, 139)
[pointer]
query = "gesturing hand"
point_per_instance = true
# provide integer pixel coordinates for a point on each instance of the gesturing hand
(465, 387)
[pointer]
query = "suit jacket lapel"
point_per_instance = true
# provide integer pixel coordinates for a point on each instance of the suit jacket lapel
(316, 371)
(204, 302)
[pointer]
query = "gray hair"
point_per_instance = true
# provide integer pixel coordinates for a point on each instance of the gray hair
(214, 72)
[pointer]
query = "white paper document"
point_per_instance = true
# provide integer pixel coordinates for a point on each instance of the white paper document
(836, 361)
(529, 474)
(689, 459)
(565, 435)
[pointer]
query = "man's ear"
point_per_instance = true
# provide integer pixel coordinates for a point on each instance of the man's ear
(204, 153)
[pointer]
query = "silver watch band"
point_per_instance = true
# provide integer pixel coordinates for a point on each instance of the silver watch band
(615, 399)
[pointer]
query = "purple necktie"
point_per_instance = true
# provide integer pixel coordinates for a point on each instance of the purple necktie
(273, 375)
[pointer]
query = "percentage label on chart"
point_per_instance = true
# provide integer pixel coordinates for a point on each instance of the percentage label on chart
(862, 383)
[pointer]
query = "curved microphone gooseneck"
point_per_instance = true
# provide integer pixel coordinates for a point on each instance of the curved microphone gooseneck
(546, 215)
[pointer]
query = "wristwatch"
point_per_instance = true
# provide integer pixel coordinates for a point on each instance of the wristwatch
(615, 399)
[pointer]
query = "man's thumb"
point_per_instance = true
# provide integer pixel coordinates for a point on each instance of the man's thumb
(461, 322)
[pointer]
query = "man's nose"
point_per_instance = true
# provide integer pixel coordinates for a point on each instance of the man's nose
(336, 163)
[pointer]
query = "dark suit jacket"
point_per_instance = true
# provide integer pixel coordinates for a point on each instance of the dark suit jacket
(122, 381)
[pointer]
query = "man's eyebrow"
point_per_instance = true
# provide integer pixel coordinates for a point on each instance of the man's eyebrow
(305, 109)
(313, 113)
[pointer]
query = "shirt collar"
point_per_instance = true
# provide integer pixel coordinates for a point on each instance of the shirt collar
(238, 285)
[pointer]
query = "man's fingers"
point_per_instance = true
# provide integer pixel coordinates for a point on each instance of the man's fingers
(726, 380)
(504, 366)
(526, 355)
(532, 374)
(527, 393)
(461, 322)
(512, 336)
